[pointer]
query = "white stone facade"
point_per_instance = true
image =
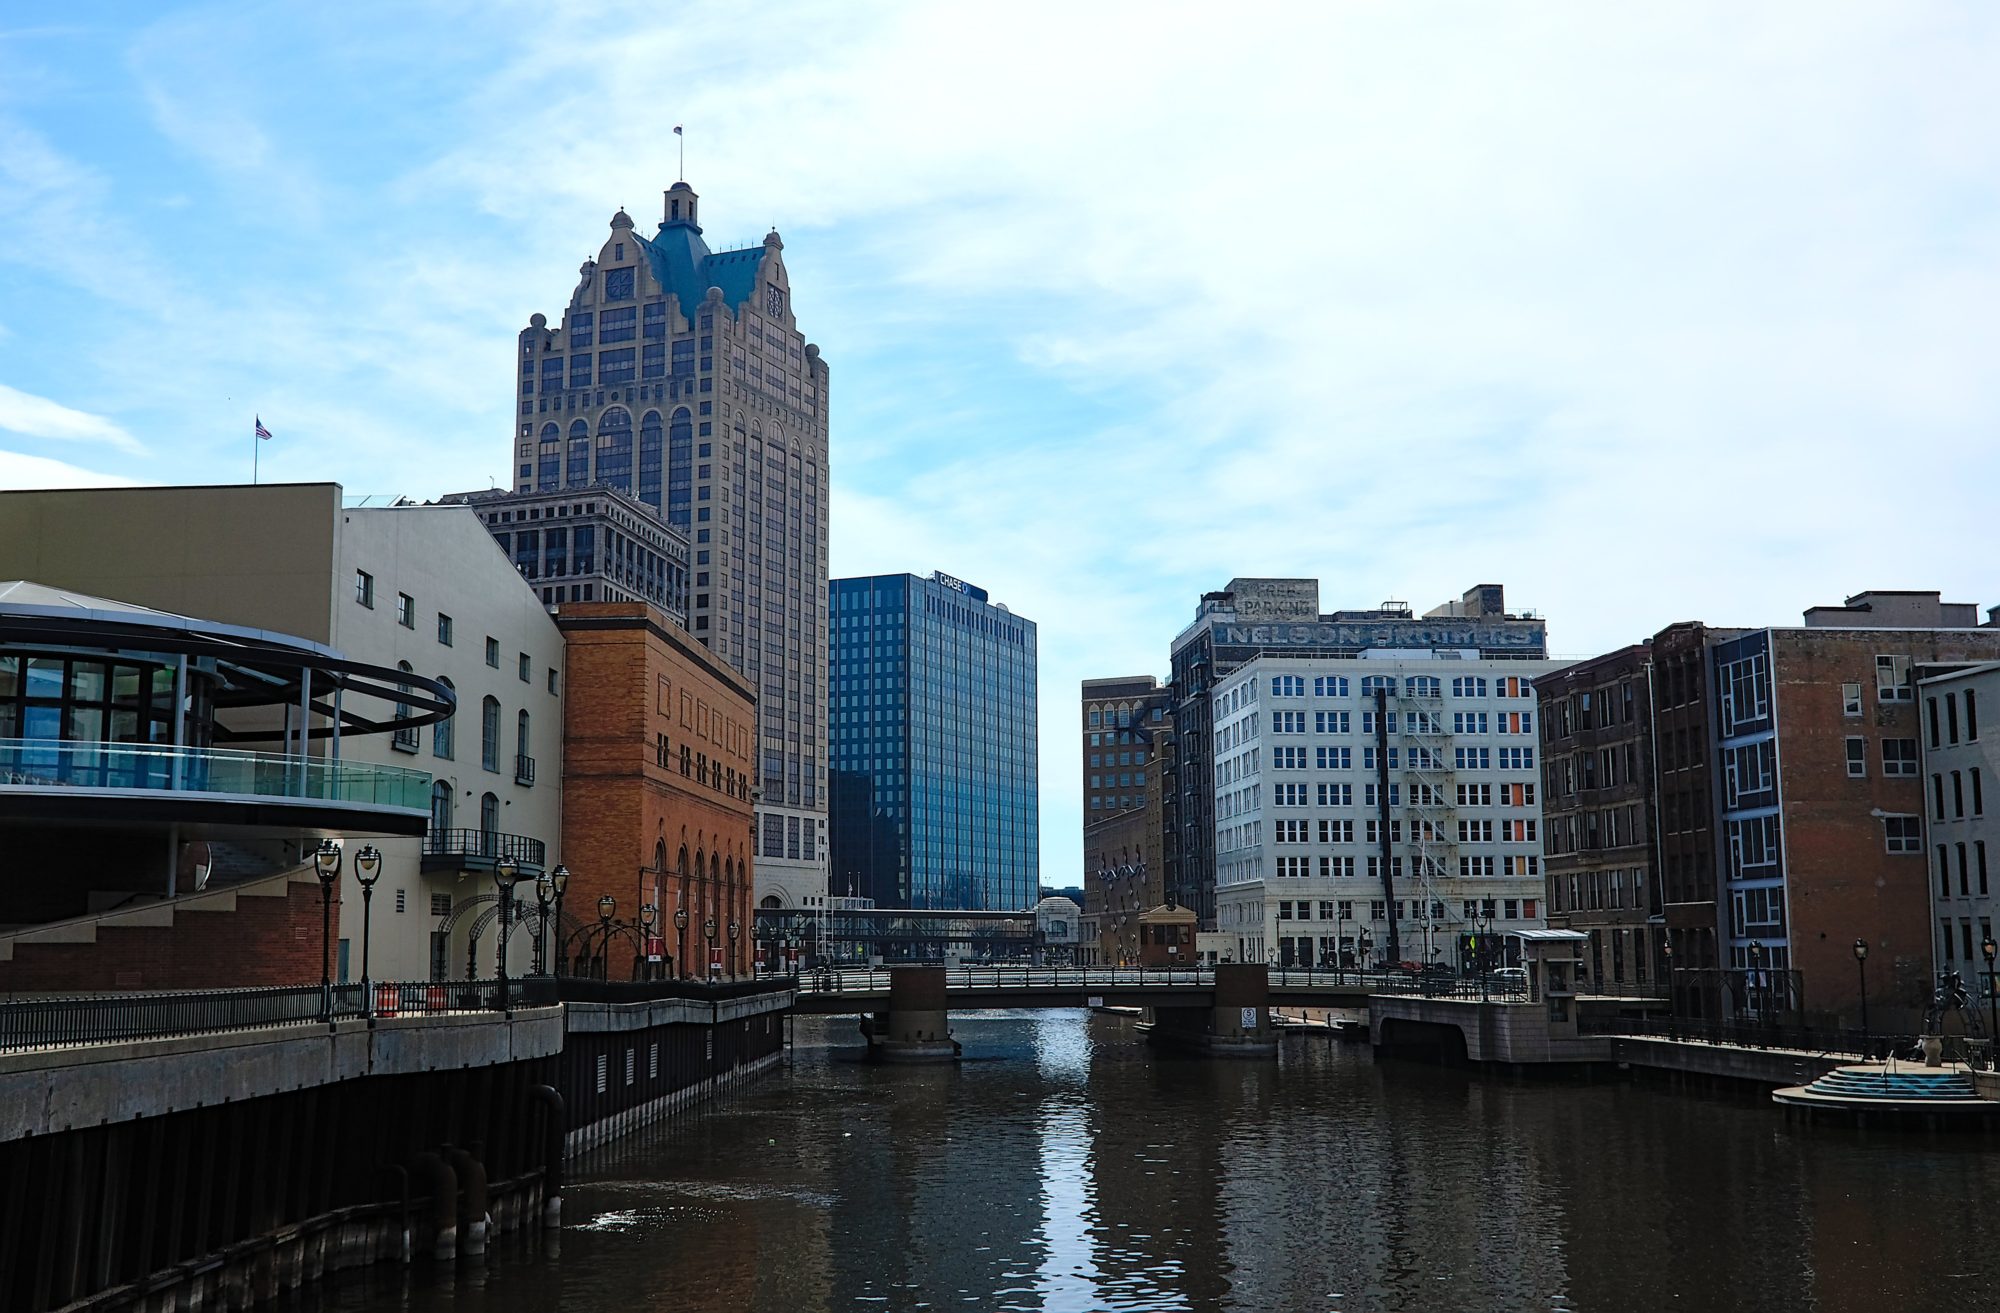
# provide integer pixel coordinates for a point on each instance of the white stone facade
(1298, 804)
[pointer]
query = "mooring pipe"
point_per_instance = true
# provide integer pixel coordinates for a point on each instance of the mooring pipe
(553, 1146)
(401, 1176)
(436, 1173)
(472, 1217)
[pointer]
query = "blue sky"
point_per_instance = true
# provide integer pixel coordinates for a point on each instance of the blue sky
(1649, 314)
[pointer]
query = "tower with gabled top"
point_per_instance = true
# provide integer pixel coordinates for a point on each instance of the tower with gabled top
(679, 376)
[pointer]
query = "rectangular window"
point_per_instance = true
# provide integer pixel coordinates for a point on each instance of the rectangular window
(444, 629)
(364, 588)
(493, 652)
(1288, 686)
(406, 611)
(1331, 722)
(1333, 758)
(1904, 834)
(1288, 722)
(1857, 757)
(1850, 700)
(1892, 679)
(1330, 686)
(527, 669)
(1899, 757)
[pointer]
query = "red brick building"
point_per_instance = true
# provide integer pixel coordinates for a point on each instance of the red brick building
(658, 792)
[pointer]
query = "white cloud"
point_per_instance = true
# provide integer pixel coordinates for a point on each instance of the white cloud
(38, 417)
(19, 470)
(1630, 310)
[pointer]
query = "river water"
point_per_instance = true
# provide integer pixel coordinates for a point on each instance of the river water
(1062, 1165)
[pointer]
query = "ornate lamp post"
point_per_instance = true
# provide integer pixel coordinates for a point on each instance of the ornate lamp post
(559, 882)
(708, 932)
(505, 872)
(326, 865)
(1756, 981)
(607, 907)
(734, 929)
(649, 916)
(1990, 949)
(1861, 970)
(545, 895)
(681, 930)
(367, 870)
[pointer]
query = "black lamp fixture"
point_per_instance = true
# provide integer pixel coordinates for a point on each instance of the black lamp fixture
(367, 870)
(1990, 949)
(559, 881)
(545, 897)
(1861, 969)
(506, 871)
(326, 865)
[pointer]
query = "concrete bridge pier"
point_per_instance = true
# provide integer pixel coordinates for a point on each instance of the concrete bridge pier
(917, 1026)
(1238, 1025)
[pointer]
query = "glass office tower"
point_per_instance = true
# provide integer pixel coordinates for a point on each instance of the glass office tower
(932, 746)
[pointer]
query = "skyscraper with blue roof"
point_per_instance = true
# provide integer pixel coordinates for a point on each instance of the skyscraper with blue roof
(679, 376)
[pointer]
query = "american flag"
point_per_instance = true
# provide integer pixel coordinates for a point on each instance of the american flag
(262, 432)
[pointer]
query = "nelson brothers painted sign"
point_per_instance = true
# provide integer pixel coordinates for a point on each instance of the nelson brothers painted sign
(1513, 638)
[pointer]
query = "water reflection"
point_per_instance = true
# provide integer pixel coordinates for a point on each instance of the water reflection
(1064, 1167)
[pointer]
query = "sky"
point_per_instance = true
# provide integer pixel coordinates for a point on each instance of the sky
(1649, 313)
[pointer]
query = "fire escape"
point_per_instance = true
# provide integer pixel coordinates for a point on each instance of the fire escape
(1430, 816)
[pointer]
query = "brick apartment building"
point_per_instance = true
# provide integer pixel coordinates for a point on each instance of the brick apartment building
(1597, 813)
(659, 784)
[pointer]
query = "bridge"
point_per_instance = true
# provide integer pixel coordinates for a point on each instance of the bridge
(1222, 1010)
(977, 986)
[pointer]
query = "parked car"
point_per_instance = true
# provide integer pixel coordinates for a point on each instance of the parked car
(1512, 978)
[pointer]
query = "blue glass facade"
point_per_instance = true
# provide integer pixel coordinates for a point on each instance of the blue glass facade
(931, 738)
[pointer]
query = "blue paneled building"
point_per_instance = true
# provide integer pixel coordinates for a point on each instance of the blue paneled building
(931, 738)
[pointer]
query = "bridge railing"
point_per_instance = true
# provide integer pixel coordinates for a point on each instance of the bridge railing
(1746, 1033)
(67, 1022)
(968, 975)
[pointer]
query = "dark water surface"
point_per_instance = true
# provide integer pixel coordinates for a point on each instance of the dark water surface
(1064, 1166)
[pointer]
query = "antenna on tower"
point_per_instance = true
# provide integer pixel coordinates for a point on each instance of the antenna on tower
(682, 142)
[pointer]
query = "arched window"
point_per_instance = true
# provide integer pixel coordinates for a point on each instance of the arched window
(521, 744)
(650, 454)
(441, 746)
(407, 738)
(489, 825)
(489, 733)
(770, 901)
(440, 807)
(614, 448)
(579, 455)
(680, 469)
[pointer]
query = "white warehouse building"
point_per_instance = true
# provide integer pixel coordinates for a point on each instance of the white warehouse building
(1325, 766)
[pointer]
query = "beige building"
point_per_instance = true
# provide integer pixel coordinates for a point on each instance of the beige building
(417, 588)
(678, 374)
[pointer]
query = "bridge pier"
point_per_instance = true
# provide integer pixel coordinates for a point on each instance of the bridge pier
(917, 1026)
(1238, 1025)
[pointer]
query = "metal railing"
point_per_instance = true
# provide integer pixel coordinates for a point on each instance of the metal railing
(964, 975)
(113, 1018)
(485, 843)
(55, 764)
(1747, 1034)
(571, 989)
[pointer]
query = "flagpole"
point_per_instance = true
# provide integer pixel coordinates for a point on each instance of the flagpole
(256, 445)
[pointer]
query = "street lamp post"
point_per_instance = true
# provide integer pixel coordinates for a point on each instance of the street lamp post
(607, 907)
(326, 865)
(1756, 981)
(1861, 970)
(681, 931)
(505, 872)
(648, 916)
(1990, 949)
(559, 883)
(544, 896)
(1673, 1004)
(708, 933)
(734, 930)
(367, 870)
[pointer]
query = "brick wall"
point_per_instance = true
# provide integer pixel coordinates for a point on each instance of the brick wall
(264, 941)
(634, 676)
